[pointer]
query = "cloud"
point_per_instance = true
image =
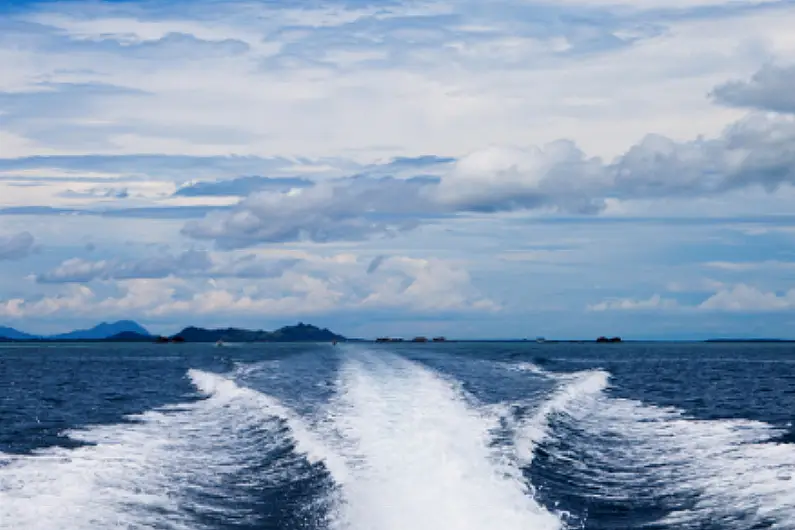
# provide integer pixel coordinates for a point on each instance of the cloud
(191, 263)
(454, 132)
(253, 267)
(309, 296)
(254, 78)
(350, 209)
(503, 179)
(77, 270)
(770, 89)
(754, 152)
(656, 302)
(746, 266)
(242, 186)
(17, 246)
(739, 298)
(746, 298)
(174, 46)
(425, 285)
(75, 300)
(155, 212)
(402, 283)
(375, 263)
(171, 167)
(51, 112)
(664, 4)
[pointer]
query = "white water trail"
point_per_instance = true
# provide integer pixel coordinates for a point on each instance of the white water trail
(572, 390)
(143, 474)
(728, 472)
(305, 441)
(419, 455)
(732, 469)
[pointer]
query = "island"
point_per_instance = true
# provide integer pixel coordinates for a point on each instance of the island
(128, 331)
(299, 333)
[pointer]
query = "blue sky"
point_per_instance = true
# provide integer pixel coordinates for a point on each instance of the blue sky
(510, 169)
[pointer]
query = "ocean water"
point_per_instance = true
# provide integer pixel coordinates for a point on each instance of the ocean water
(398, 436)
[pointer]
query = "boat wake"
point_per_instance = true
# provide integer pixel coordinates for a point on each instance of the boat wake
(195, 465)
(389, 444)
(681, 471)
(420, 454)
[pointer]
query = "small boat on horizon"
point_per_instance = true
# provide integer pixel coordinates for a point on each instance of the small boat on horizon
(219, 343)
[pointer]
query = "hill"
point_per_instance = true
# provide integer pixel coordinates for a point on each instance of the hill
(103, 331)
(298, 333)
(129, 336)
(129, 331)
(11, 333)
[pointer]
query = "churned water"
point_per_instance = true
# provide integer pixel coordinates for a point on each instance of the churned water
(400, 436)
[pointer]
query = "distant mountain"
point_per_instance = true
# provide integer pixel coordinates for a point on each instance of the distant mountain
(298, 333)
(130, 336)
(11, 333)
(129, 331)
(304, 332)
(103, 331)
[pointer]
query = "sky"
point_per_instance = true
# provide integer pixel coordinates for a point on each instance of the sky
(501, 169)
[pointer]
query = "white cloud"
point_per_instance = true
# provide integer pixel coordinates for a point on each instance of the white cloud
(656, 302)
(746, 298)
(537, 255)
(740, 298)
(425, 285)
(311, 296)
(745, 266)
(326, 93)
(756, 152)
(558, 175)
(75, 299)
(425, 97)
(666, 4)
(399, 283)
(769, 89)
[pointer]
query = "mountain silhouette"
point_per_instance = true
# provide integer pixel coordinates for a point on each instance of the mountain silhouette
(103, 331)
(11, 333)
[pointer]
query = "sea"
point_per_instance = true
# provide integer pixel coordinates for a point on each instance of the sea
(358, 436)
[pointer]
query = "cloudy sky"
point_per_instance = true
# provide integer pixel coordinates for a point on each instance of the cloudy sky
(510, 168)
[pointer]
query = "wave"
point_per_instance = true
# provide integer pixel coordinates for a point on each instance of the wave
(419, 454)
(186, 466)
(306, 443)
(728, 472)
(721, 473)
(572, 390)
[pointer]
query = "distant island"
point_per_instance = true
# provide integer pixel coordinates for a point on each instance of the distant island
(129, 331)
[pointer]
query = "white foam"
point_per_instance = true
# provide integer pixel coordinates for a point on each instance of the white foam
(731, 467)
(573, 389)
(306, 442)
(137, 474)
(725, 472)
(419, 455)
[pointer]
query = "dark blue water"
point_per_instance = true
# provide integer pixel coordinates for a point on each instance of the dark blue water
(432, 436)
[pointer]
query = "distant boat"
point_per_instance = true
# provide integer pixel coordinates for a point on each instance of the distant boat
(219, 344)
(540, 339)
